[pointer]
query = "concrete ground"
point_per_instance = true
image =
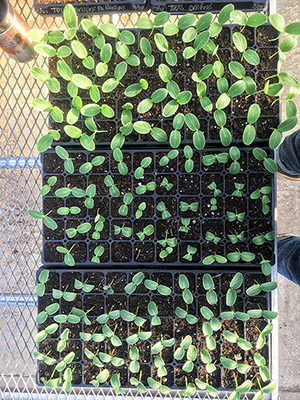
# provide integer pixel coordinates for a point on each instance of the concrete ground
(288, 207)
(288, 215)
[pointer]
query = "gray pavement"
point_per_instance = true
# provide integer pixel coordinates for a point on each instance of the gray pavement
(288, 204)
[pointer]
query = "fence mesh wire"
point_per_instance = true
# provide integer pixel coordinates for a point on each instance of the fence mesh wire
(20, 236)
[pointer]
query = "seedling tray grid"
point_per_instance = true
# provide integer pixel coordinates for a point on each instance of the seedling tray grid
(21, 238)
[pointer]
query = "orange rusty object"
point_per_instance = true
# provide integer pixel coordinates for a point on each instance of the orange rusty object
(13, 34)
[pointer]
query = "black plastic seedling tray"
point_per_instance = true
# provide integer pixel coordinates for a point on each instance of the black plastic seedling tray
(236, 112)
(55, 8)
(203, 6)
(170, 327)
(187, 187)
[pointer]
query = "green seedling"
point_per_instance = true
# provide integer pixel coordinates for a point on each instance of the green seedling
(229, 315)
(190, 252)
(138, 384)
(82, 314)
(98, 252)
(113, 314)
(240, 255)
(88, 166)
(136, 88)
(249, 130)
(259, 313)
(99, 226)
(234, 154)
(49, 222)
(123, 230)
(65, 361)
(235, 216)
(131, 317)
(81, 229)
(159, 346)
(234, 338)
(62, 343)
(124, 52)
(158, 386)
(119, 158)
(162, 289)
(210, 159)
(184, 227)
(49, 310)
(70, 318)
(256, 289)
(110, 84)
(127, 200)
(214, 323)
(45, 332)
(50, 183)
(245, 387)
(133, 339)
(44, 357)
(238, 189)
(264, 372)
(113, 190)
(213, 187)
(141, 208)
(190, 389)
(64, 155)
(213, 204)
(111, 335)
(93, 357)
(43, 278)
(205, 386)
(265, 266)
(237, 237)
(209, 286)
(185, 343)
(212, 237)
(165, 183)
(134, 365)
(261, 239)
(153, 312)
(136, 281)
(167, 158)
(260, 395)
(184, 314)
(108, 288)
(160, 365)
(206, 359)
(235, 283)
(68, 258)
(68, 296)
(146, 49)
(74, 210)
(143, 128)
(101, 378)
(147, 231)
(163, 209)
(186, 207)
(145, 163)
(269, 164)
(142, 189)
(233, 364)
(214, 258)
(116, 384)
(188, 154)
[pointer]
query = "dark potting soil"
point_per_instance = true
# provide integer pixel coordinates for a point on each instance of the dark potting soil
(183, 188)
(98, 302)
(257, 38)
